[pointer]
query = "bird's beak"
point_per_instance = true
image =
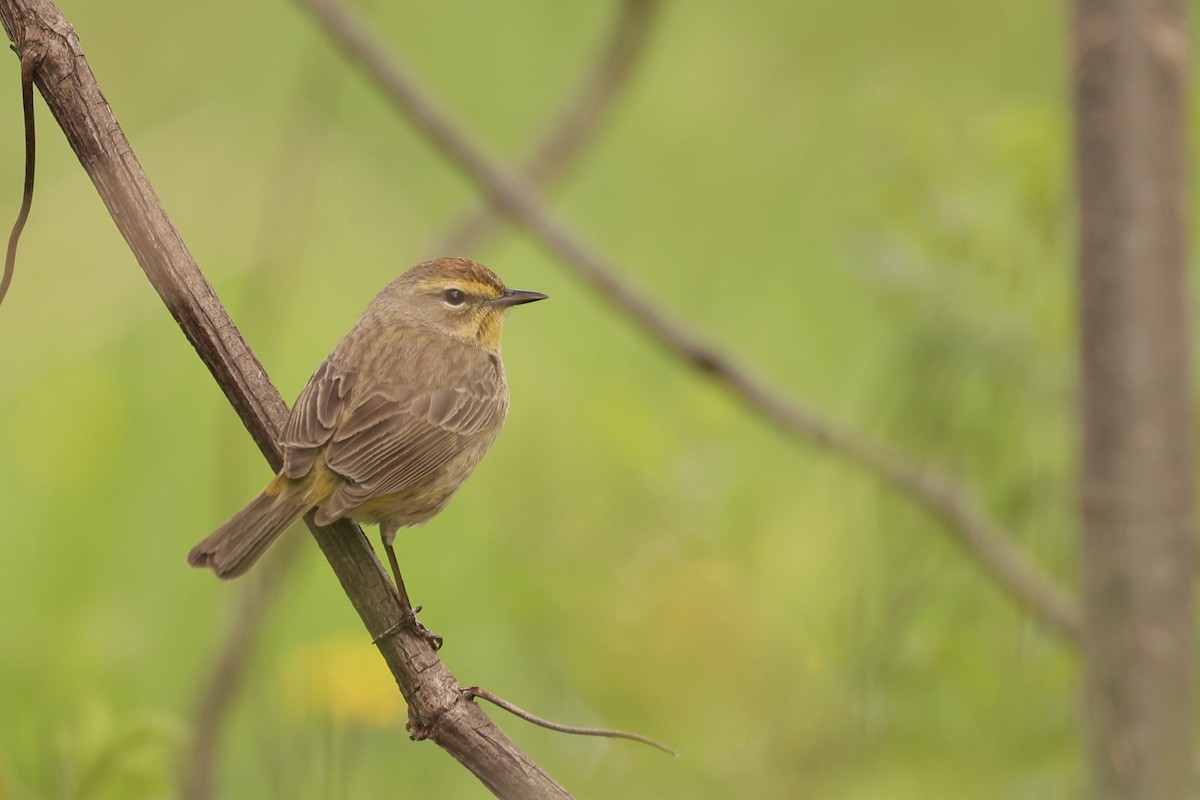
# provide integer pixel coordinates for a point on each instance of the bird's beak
(516, 297)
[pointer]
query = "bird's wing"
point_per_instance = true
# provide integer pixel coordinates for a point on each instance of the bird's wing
(314, 417)
(383, 438)
(392, 437)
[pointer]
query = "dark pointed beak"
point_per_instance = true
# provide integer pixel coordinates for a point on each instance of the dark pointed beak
(516, 297)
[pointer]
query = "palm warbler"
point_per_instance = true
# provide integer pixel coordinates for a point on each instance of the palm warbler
(393, 421)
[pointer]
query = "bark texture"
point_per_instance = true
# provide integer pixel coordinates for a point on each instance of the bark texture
(1137, 481)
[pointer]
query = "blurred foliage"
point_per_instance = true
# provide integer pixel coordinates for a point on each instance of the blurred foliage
(869, 205)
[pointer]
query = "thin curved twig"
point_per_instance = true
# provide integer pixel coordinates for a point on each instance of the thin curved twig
(608, 733)
(981, 537)
(29, 59)
(574, 126)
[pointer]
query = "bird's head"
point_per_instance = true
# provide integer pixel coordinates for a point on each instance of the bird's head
(460, 298)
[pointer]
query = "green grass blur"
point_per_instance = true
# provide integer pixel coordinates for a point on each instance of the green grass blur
(866, 203)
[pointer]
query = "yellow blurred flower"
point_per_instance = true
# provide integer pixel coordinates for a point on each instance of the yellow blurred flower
(342, 680)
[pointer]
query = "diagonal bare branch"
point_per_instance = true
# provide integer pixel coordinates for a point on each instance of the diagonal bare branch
(223, 680)
(437, 707)
(981, 537)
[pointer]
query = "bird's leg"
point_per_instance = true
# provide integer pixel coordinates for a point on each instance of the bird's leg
(391, 554)
(406, 605)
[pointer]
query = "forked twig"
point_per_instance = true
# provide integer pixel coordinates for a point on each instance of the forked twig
(981, 537)
(609, 733)
(578, 121)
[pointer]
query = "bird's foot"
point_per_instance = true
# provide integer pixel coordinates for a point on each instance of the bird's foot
(410, 621)
(435, 640)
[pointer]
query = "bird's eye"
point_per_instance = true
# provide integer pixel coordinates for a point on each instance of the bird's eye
(454, 297)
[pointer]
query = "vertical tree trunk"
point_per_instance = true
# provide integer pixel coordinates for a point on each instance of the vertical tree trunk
(1131, 63)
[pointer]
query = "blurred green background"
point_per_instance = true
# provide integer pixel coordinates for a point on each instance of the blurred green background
(870, 204)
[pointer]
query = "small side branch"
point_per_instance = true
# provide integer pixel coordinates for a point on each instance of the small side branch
(607, 733)
(982, 538)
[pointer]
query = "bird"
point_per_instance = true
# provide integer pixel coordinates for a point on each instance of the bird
(392, 422)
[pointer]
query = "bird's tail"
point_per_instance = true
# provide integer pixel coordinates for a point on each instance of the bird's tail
(234, 547)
